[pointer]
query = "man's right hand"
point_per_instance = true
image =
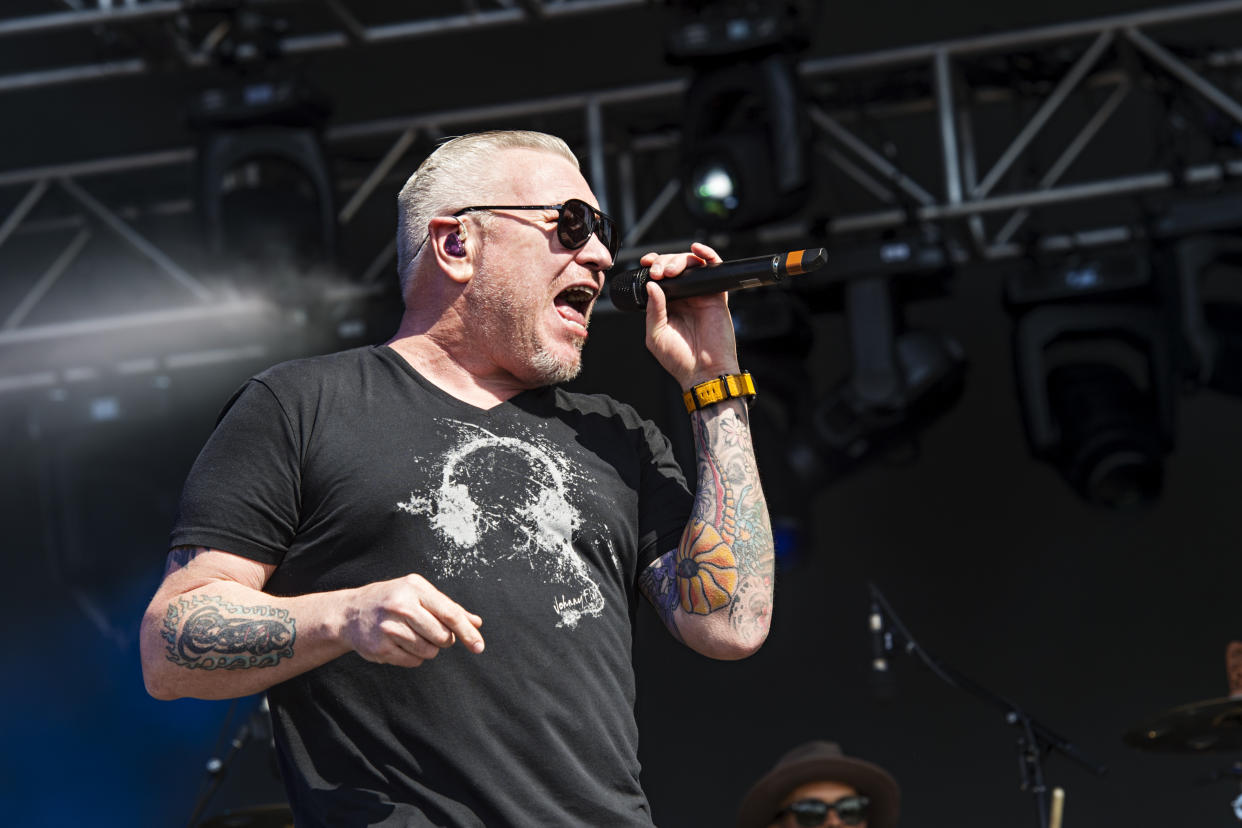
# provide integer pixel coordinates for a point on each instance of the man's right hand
(406, 621)
(211, 632)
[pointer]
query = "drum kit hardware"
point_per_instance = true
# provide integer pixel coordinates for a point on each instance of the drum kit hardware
(1202, 727)
(1214, 725)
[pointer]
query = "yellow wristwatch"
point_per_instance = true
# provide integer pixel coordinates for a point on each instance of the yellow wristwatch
(721, 388)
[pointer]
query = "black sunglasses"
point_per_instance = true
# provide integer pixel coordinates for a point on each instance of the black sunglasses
(810, 813)
(575, 222)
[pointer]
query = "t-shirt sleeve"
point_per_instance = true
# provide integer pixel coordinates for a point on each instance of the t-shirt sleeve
(243, 492)
(664, 499)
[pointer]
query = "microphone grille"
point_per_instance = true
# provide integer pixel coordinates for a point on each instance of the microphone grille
(628, 290)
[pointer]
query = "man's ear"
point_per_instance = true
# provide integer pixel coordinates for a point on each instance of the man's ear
(453, 248)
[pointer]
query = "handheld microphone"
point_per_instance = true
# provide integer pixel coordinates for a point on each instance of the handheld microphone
(628, 290)
(881, 678)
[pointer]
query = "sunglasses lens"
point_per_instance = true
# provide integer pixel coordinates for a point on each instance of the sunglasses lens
(852, 809)
(607, 232)
(578, 220)
(574, 225)
(809, 813)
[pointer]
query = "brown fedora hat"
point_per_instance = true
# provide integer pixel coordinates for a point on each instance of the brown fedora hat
(816, 761)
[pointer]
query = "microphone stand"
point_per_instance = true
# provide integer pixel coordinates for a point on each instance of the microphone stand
(1035, 739)
(216, 766)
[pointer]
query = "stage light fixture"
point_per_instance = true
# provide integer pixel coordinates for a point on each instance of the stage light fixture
(265, 188)
(1208, 267)
(900, 381)
(746, 136)
(1095, 372)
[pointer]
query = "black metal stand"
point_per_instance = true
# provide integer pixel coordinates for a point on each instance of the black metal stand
(1035, 739)
(258, 721)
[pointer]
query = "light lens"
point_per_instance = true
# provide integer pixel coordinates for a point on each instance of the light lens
(713, 191)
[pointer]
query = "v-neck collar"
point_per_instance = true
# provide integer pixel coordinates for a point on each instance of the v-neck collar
(523, 399)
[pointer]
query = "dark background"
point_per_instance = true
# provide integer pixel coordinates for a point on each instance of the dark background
(1091, 621)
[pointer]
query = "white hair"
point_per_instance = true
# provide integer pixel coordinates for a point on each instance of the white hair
(458, 174)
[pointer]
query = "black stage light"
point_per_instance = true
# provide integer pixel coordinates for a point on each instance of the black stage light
(1224, 323)
(1210, 292)
(1111, 448)
(1096, 376)
(745, 144)
(265, 188)
(266, 194)
(898, 385)
(900, 380)
(746, 136)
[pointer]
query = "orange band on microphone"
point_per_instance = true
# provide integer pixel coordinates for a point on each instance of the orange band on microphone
(793, 262)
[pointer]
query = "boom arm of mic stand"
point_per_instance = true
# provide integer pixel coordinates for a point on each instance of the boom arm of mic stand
(1035, 731)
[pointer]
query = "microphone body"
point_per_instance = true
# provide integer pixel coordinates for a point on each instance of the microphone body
(628, 290)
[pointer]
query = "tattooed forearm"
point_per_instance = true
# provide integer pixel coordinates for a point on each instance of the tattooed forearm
(659, 583)
(750, 611)
(726, 555)
(208, 633)
(706, 569)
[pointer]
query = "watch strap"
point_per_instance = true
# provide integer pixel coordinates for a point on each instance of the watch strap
(719, 389)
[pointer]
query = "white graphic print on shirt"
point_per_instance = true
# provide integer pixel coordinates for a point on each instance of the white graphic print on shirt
(529, 485)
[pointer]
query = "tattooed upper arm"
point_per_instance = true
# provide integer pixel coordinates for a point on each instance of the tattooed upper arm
(189, 565)
(179, 556)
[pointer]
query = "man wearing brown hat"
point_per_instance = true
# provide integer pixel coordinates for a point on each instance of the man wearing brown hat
(814, 785)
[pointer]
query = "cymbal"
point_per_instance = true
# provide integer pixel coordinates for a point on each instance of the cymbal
(260, 816)
(1213, 725)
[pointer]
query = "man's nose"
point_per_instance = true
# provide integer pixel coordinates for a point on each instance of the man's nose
(596, 254)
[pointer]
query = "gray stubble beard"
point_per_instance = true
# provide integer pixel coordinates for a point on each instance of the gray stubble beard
(551, 370)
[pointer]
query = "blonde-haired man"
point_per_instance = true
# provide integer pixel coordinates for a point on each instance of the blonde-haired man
(355, 518)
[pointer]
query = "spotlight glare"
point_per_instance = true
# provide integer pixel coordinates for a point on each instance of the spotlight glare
(714, 191)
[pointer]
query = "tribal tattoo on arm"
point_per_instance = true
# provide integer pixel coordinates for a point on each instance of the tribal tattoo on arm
(205, 632)
(725, 559)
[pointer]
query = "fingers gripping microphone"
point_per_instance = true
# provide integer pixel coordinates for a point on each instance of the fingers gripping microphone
(628, 290)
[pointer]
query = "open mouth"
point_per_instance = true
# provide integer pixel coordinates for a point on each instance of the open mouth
(574, 303)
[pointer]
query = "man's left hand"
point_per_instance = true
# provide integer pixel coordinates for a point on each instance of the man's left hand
(691, 337)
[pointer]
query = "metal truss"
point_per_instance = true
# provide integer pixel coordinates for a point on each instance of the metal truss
(350, 32)
(1046, 140)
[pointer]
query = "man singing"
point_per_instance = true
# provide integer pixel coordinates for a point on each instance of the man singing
(359, 515)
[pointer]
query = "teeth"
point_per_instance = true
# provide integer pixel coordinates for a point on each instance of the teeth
(578, 294)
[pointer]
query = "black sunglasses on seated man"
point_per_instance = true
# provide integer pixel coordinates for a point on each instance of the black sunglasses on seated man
(813, 813)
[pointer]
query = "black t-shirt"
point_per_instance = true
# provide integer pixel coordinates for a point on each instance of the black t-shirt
(537, 515)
